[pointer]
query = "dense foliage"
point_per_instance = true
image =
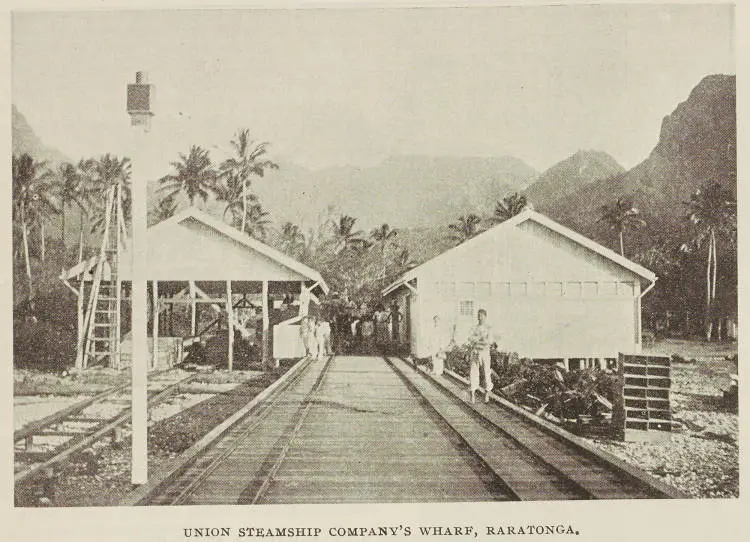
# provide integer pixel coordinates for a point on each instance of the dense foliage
(553, 391)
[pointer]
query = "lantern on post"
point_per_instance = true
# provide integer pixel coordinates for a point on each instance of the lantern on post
(140, 97)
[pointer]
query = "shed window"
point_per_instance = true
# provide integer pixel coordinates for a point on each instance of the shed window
(517, 288)
(625, 289)
(554, 289)
(608, 288)
(483, 290)
(536, 288)
(589, 289)
(500, 289)
(466, 289)
(466, 308)
(573, 289)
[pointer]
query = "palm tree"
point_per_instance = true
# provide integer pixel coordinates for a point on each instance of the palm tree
(382, 234)
(71, 190)
(248, 162)
(194, 175)
(713, 211)
(465, 228)
(509, 207)
(292, 239)
(344, 237)
(231, 192)
(104, 173)
(404, 260)
(256, 221)
(621, 215)
(32, 202)
(166, 208)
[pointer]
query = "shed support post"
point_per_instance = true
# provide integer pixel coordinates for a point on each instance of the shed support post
(155, 323)
(304, 299)
(264, 340)
(193, 314)
(230, 326)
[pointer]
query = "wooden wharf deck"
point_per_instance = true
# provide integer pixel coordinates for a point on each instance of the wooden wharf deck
(367, 429)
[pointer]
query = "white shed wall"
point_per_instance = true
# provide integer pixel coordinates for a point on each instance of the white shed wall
(546, 296)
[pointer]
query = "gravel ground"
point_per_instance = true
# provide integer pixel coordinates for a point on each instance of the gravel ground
(702, 458)
(91, 381)
(29, 408)
(101, 475)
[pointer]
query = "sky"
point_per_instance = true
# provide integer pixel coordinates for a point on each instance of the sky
(334, 87)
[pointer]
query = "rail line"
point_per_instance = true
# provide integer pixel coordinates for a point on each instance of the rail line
(578, 469)
(366, 429)
(79, 429)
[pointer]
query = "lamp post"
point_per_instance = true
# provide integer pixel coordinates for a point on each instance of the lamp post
(139, 97)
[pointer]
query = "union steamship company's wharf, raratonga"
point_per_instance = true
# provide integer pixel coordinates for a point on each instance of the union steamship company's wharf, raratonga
(463, 531)
(282, 287)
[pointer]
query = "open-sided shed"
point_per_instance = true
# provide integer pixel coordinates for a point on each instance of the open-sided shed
(197, 260)
(550, 293)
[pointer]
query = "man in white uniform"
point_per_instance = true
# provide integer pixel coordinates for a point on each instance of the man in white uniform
(323, 334)
(479, 340)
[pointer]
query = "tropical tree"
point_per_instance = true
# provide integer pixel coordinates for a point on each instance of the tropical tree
(713, 213)
(71, 190)
(230, 191)
(509, 207)
(292, 239)
(239, 169)
(382, 235)
(620, 216)
(165, 209)
(103, 174)
(404, 260)
(32, 200)
(465, 228)
(194, 175)
(256, 221)
(344, 237)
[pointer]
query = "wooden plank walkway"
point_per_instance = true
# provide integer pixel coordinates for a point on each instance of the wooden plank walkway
(348, 431)
(369, 430)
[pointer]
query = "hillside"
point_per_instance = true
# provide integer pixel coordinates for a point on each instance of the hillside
(570, 175)
(405, 191)
(25, 140)
(697, 142)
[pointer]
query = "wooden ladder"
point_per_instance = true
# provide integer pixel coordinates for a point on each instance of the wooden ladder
(102, 320)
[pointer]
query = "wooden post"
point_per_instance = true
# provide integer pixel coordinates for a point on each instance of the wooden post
(155, 324)
(264, 340)
(193, 313)
(117, 332)
(79, 308)
(230, 326)
(139, 301)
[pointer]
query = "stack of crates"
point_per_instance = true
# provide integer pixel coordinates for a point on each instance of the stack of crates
(642, 410)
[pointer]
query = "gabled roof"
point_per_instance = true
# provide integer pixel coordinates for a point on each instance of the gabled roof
(548, 223)
(226, 230)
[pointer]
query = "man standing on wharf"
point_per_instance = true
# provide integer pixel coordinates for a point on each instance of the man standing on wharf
(479, 341)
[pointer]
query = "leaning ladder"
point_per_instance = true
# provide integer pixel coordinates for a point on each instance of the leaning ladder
(102, 320)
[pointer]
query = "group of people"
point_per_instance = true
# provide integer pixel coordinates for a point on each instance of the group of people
(480, 338)
(316, 336)
(367, 331)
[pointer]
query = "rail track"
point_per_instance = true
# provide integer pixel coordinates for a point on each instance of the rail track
(566, 465)
(78, 426)
(365, 429)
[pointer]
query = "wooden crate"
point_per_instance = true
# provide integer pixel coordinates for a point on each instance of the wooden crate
(642, 409)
